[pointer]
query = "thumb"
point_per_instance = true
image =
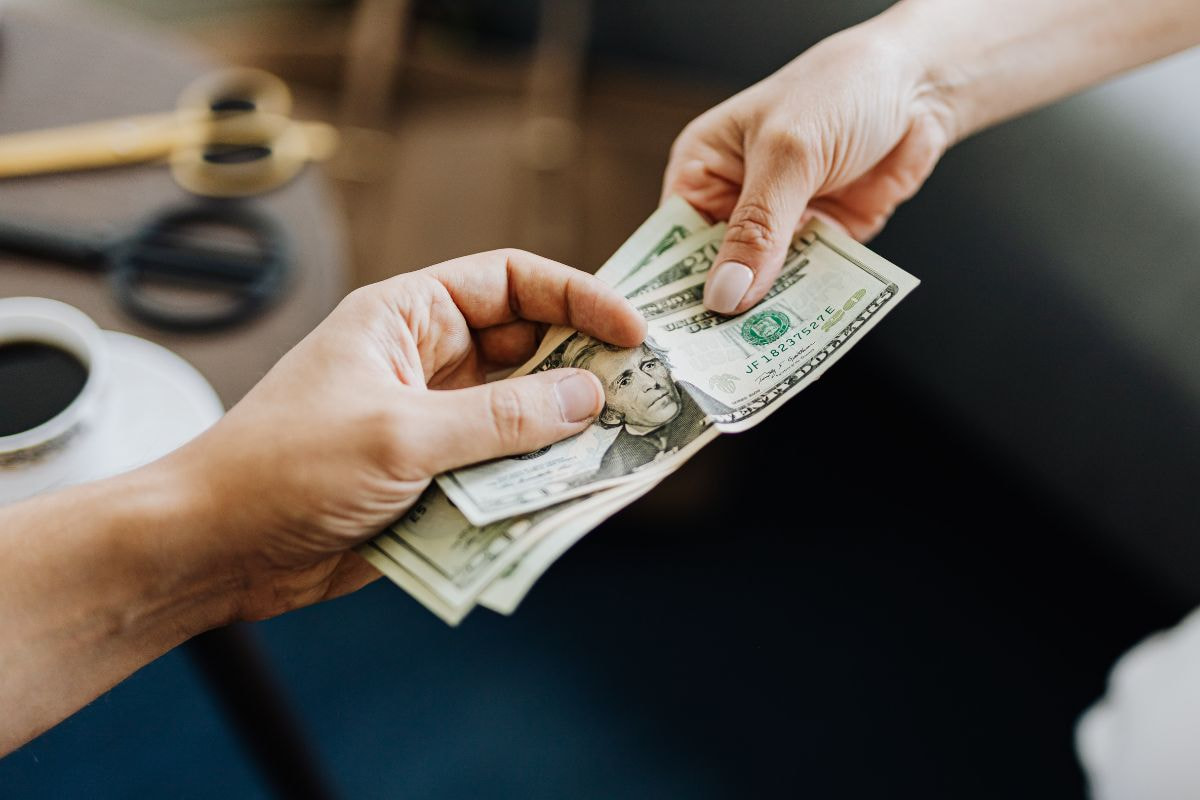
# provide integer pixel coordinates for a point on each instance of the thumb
(773, 198)
(503, 418)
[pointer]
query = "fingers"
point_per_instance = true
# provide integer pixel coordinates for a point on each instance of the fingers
(706, 166)
(509, 344)
(505, 285)
(710, 186)
(864, 206)
(351, 574)
(517, 415)
(773, 198)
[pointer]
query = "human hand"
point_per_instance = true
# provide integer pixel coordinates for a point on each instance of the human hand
(1131, 743)
(347, 429)
(847, 132)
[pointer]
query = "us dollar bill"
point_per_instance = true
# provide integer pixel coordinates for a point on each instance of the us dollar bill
(697, 374)
(830, 292)
(444, 561)
(508, 589)
(691, 256)
(670, 224)
(450, 564)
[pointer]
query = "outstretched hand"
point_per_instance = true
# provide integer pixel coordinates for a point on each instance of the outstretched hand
(846, 131)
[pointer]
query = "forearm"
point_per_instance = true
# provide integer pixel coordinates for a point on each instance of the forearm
(95, 582)
(987, 61)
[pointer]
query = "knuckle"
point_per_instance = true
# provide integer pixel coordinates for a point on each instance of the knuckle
(784, 143)
(713, 127)
(385, 432)
(687, 137)
(368, 302)
(752, 226)
(508, 254)
(506, 415)
(358, 299)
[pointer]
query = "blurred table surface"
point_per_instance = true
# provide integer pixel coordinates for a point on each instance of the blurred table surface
(61, 65)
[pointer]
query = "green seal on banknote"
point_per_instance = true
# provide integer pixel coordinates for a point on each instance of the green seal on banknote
(765, 327)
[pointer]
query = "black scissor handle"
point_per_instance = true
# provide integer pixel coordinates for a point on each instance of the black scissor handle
(51, 244)
(159, 252)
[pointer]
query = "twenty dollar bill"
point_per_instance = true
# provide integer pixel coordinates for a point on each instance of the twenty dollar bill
(698, 373)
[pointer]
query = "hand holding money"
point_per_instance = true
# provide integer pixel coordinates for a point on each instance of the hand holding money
(846, 132)
(345, 432)
(487, 531)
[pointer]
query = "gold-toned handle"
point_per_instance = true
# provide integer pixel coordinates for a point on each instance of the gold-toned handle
(321, 140)
(91, 145)
(186, 138)
(290, 144)
(268, 92)
(149, 137)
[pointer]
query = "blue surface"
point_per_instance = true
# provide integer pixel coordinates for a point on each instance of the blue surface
(408, 707)
(156, 734)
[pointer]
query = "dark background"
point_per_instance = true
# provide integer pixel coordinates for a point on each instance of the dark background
(909, 584)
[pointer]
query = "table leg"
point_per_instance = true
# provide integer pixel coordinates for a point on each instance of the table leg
(238, 673)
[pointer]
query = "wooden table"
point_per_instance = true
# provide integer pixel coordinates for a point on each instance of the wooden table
(58, 69)
(69, 65)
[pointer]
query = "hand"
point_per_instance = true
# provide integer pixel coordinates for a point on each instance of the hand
(345, 432)
(847, 132)
(1130, 742)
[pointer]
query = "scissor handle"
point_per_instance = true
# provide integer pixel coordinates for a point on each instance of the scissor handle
(52, 244)
(249, 144)
(90, 145)
(237, 90)
(158, 253)
(205, 107)
(238, 158)
(238, 110)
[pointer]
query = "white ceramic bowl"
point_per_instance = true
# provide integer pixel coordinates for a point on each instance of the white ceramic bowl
(52, 322)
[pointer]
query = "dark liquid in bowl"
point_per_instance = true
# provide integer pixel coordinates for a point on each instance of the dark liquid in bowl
(37, 381)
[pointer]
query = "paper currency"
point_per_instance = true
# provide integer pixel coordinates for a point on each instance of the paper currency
(504, 593)
(498, 526)
(669, 225)
(691, 256)
(442, 560)
(697, 373)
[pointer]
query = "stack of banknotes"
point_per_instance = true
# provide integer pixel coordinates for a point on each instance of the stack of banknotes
(483, 535)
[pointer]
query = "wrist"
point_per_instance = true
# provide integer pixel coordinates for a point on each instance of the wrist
(164, 540)
(934, 77)
(96, 581)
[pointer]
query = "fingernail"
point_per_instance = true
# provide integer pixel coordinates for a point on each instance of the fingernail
(576, 397)
(727, 285)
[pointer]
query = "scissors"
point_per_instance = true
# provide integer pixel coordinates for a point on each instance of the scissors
(173, 271)
(230, 136)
